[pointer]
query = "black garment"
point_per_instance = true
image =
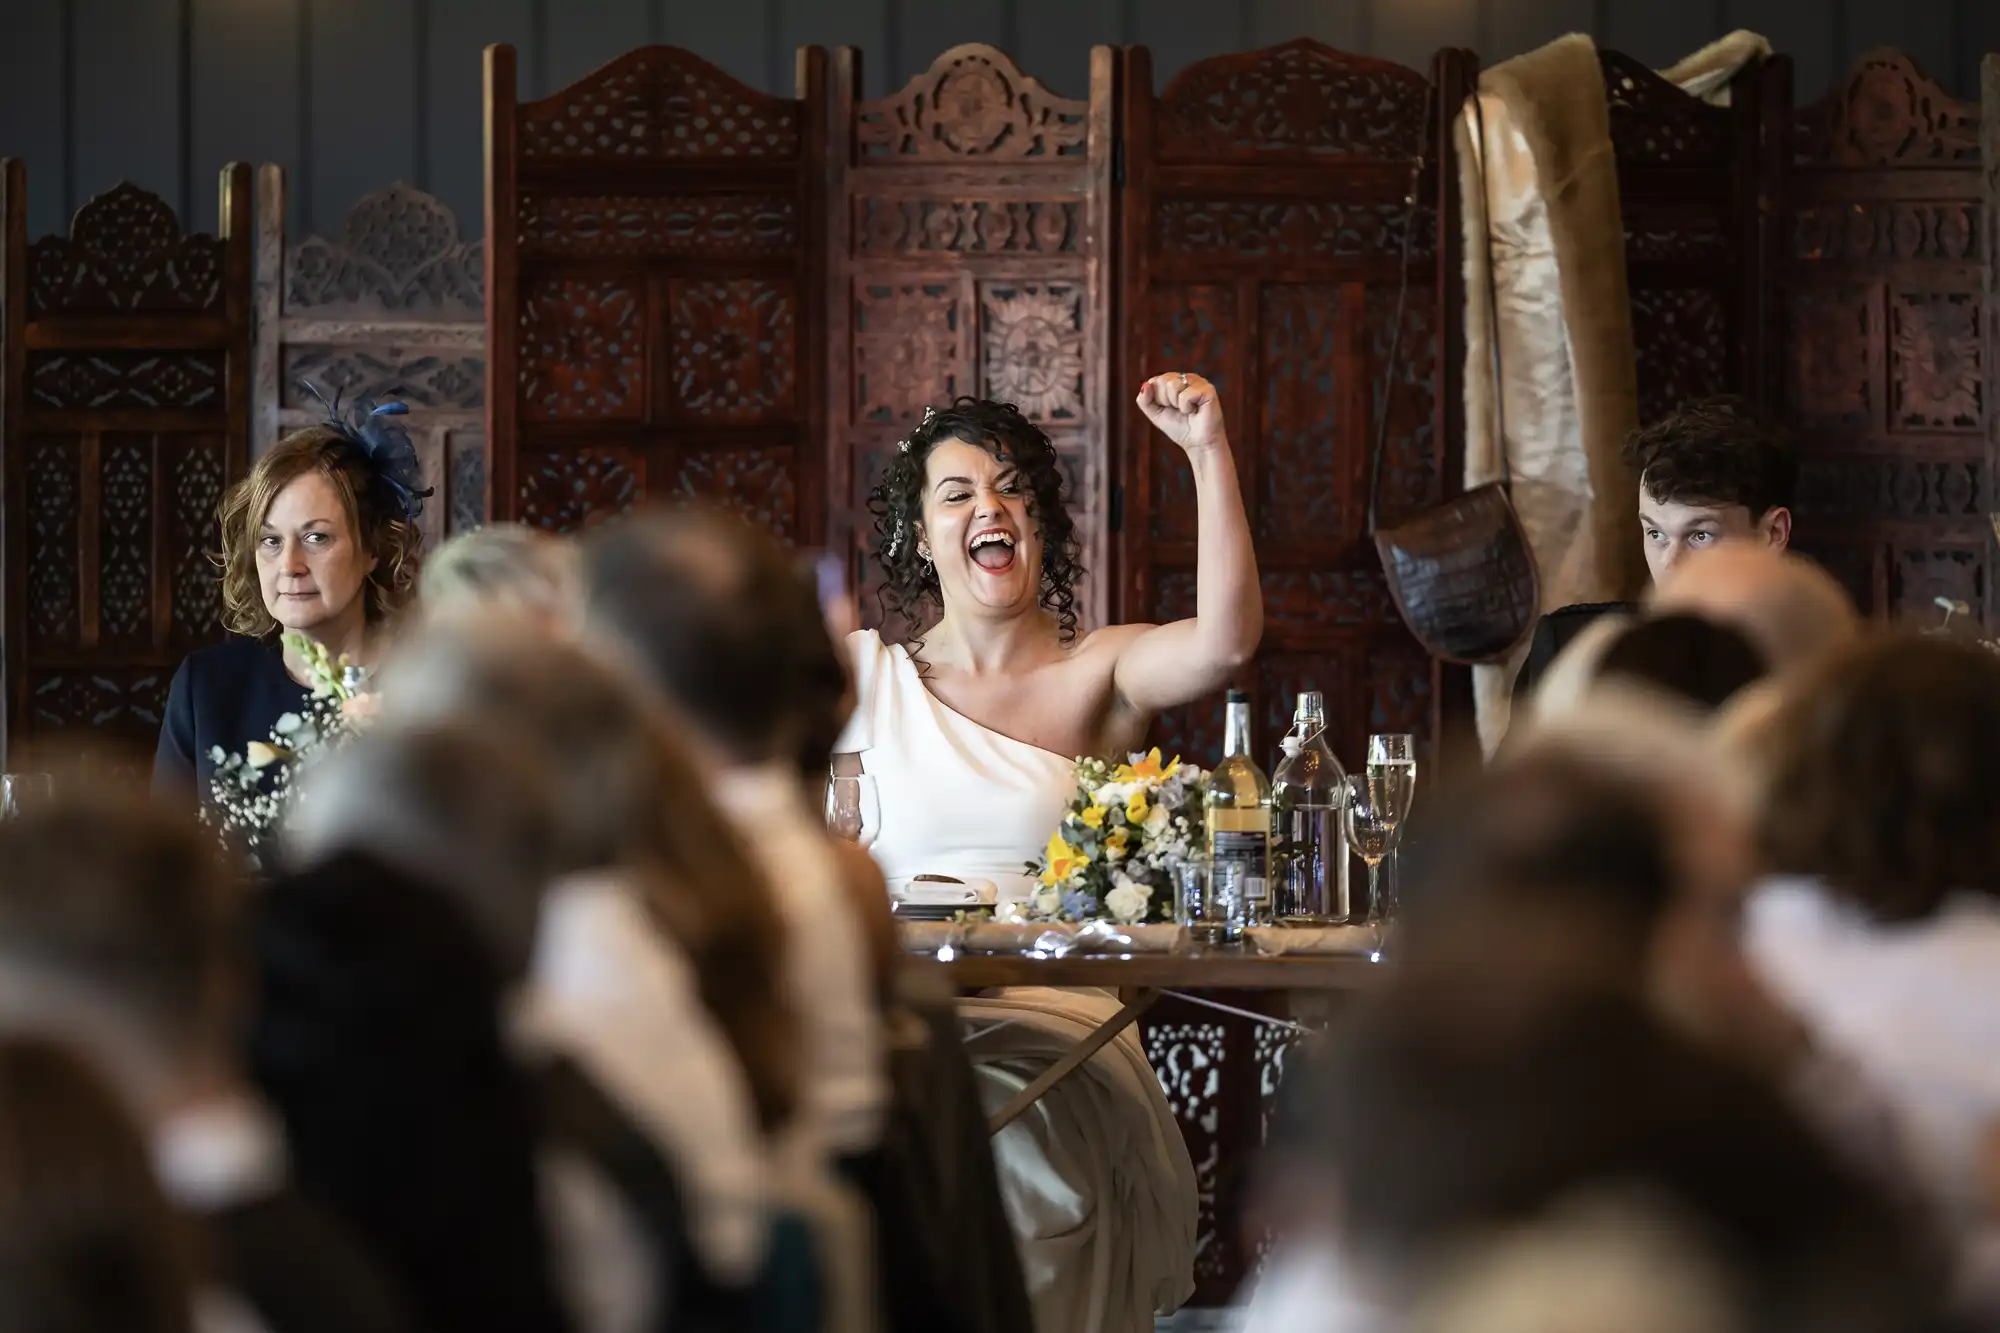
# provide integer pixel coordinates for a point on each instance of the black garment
(300, 1270)
(946, 1257)
(1553, 633)
(226, 696)
(377, 1037)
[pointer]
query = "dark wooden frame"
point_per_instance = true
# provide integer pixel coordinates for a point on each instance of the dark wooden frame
(127, 347)
(652, 188)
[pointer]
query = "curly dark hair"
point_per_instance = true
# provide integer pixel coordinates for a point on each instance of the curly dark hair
(909, 586)
(1716, 451)
(1885, 775)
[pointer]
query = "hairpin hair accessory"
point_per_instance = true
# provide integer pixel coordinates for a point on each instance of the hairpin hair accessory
(384, 444)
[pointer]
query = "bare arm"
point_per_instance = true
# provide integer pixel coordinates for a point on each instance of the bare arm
(1168, 665)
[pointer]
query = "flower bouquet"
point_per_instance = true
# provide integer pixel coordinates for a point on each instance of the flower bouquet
(1113, 857)
(250, 793)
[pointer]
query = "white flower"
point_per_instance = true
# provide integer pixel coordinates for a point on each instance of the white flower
(1127, 902)
(1157, 820)
(1047, 902)
(215, 755)
(1011, 913)
(286, 724)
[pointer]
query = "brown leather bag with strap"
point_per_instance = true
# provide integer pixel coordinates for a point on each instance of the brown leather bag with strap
(1461, 572)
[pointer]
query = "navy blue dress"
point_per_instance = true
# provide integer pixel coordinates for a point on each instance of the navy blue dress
(226, 696)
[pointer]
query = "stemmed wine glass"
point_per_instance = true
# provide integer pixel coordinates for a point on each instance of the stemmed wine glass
(1369, 832)
(1392, 778)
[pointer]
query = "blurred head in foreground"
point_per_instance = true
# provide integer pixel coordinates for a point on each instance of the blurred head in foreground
(120, 927)
(1699, 663)
(506, 567)
(88, 1244)
(460, 809)
(1885, 775)
(1462, 1114)
(1789, 607)
(628, 800)
(718, 616)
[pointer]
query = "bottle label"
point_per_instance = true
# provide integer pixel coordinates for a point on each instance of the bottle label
(1248, 854)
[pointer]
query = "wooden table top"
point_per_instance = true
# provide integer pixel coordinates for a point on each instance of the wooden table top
(1209, 969)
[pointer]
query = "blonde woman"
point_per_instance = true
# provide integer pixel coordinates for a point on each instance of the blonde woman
(506, 567)
(321, 539)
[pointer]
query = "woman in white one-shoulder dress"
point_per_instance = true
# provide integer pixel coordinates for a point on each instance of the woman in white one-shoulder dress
(969, 733)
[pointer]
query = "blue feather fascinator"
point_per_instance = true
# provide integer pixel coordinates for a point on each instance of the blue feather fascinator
(379, 437)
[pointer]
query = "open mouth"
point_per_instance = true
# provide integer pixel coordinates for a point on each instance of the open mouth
(993, 550)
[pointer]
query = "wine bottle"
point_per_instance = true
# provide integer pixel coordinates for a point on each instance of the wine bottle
(1237, 813)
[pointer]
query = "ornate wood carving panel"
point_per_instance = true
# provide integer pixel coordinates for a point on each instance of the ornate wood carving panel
(655, 273)
(1262, 245)
(1887, 340)
(393, 307)
(122, 427)
(971, 224)
(1689, 194)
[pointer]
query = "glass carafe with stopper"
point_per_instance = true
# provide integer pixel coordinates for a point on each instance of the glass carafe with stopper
(1237, 811)
(1309, 867)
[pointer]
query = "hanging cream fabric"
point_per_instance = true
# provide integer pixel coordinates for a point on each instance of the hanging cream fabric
(1567, 394)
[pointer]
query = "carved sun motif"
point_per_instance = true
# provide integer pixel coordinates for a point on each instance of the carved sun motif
(975, 108)
(1937, 362)
(1034, 352)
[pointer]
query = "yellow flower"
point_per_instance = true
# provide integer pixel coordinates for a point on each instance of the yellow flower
(1149, 769)
(1094, 817)
(1118, 837)
(1064, 861)
(259, 755)
(1136, 808)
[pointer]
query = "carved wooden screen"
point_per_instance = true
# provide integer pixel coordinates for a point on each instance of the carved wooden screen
(126, 415)
(970, 229)
(1887, 348)
(1687, 185)
(655, 272)
(1261, 245)
(393, 307)
(1262, 236)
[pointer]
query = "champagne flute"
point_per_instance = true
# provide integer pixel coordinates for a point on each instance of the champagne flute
(1392, 774)
(1370, 833)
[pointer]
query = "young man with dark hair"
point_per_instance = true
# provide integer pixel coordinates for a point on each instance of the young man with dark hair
(1714, 469)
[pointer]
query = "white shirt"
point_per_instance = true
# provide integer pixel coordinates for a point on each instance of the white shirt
(1914, 1005)
(609, 989)
(828, 969)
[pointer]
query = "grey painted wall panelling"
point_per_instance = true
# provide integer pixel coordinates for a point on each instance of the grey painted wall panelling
(1517, 26)
(739, 35)
(927, 27)
(33, 84)
(1410, 34)
(246, 99)
(583, 34)
(832, 23)
(366, 129)
(1342, 24)
(127, 112)
(1923, 29)
(1180, 32)
(1661, 32)
(457, 35)
(1809, 34)
(1054, 37)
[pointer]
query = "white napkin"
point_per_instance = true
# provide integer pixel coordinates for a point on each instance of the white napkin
(933, 893)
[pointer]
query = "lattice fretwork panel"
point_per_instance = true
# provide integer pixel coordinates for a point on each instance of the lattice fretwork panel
(125, 418)
(1884, 296)
(655, 276)
(971, 231)
(392, 307)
